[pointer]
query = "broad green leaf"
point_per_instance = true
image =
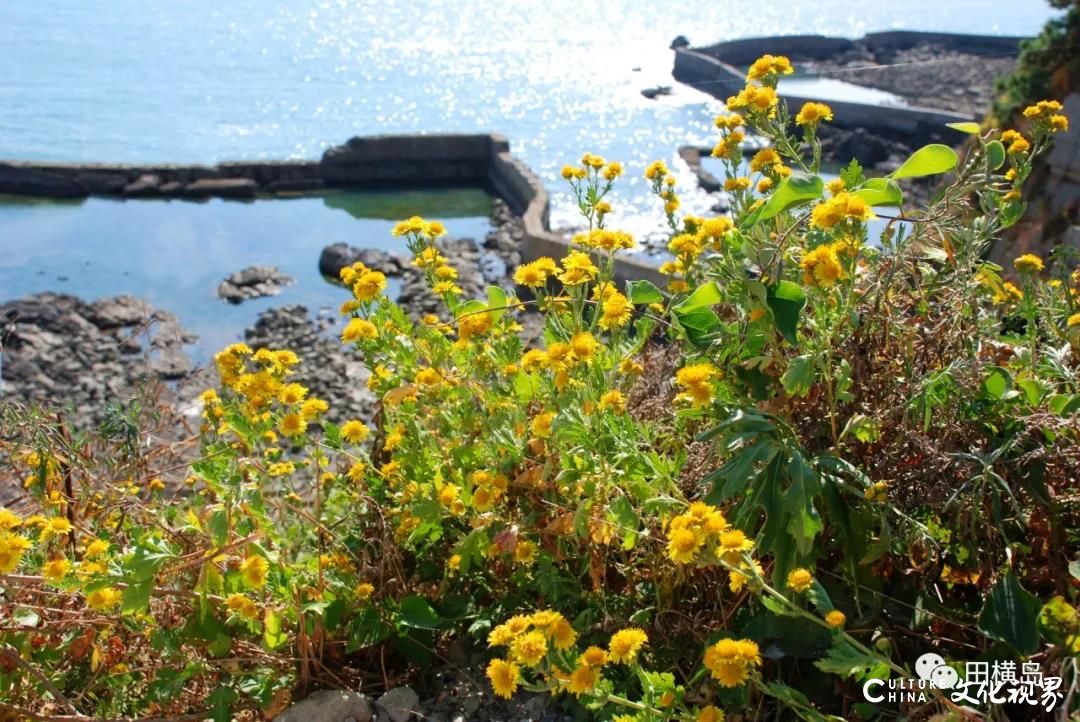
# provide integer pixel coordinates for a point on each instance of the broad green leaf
(968, 127)
(136, 597)
(643, 292)
(1011, 615)
(880, 192)
(997, 383)
(1064, 404)
(995, 153)
(845, 660)
(1033, 390)
(221, 702)
(799, 376)
(496, 301)
(797, 189)
(699, 324)
(273, 635)
(416, 612)
(706, 294)
(929, 160)
(786, 301)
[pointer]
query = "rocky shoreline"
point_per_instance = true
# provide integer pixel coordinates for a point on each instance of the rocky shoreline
(81, 355)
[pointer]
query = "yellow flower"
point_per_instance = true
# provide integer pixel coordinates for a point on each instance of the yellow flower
(840, 207)
(368, 285)
(835, 618)
(364, 590)
(504, 676)
(683, 545)
(96, 548)
(103, 599)
(533, 275)
(525, 552)
(738, 579)
(359, 329)
(1058, 123)
(615, 311)
(563, 635)
(292, 393)
(354, 431)
(541, 424)
(242, 606)
(613, 400)
(656, 170)
(696, 382)
(8, 519)
(57, 526)
(529, 648)
(768, 67)
(709, 714)
(625, 645)
(12, 547)
(578, 268)
(799, 580)
(1073, 321)
(733, 543)
(764, 185)
(582, 680)
(813, 113)
(593, 657)
(1042, 110)
(1029, 263)
(821, 266)
(730, 661)
(613, 170)
(755, 99)
(292, 425)
(254, 570)
(763, 159)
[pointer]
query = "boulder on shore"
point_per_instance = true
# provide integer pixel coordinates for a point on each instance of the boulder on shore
(253, 282)
(241, 188)
(32, 182)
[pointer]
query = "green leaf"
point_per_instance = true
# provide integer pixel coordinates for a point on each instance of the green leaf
(797, 189)
(881, 192)
(643, 292)
(136, 597)
(273, 635)
(929, 160)
(968, 127)
(221, 702)
(1011, 615)
(997, 383)
(416, 612)
(367, 630)
(1064, 404)
(786, 301)
(799, 376)
(496, 300)
(995, 154)
(699, 324)
(845, 660)
(706, 294)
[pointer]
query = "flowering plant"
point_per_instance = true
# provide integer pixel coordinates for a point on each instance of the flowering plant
(805, 427)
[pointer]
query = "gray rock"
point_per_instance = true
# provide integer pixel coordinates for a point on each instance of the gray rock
(652, 93)
(329, 706)
(296, 185)
(492, 267)
(253, 282)
(339, 255)
(119, 311)
(144, 186)
(238, 188)
(680, 41)
(398, 704)
(172, 188)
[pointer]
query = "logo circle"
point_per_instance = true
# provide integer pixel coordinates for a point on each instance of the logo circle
(927, 663)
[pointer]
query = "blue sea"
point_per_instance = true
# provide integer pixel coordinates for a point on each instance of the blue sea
(210, 80)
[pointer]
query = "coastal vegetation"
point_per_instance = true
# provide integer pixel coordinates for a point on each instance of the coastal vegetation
(815, 455)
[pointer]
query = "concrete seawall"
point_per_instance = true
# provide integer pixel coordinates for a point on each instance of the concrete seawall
(722, 80)
(462, 160)
(719, 70)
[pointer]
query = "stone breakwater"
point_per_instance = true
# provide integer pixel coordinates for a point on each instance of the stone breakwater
(942, 77)
(461, 160)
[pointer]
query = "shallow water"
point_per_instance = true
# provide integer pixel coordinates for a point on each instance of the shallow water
(175, 253)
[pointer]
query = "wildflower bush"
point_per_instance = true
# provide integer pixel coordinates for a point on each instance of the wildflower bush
(837, 439)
